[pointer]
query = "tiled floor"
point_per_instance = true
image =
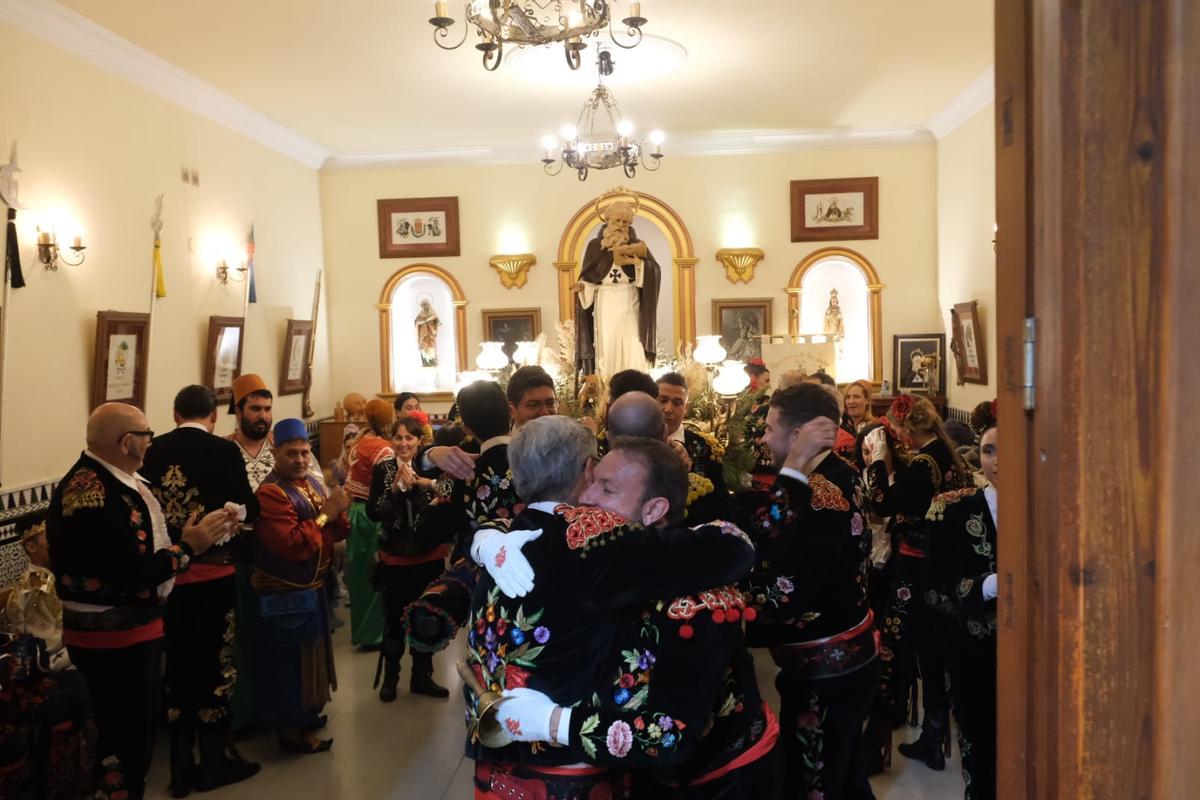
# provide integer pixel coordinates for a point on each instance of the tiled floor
(412, 749)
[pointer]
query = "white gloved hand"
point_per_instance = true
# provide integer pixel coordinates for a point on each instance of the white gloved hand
(525, 714)
(874, 446)
(500, 554)
(990, 590)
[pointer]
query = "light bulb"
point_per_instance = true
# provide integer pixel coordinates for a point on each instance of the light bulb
(625, 127)
(708, 350)
(657, 137)
(549, 142)
(568, 133)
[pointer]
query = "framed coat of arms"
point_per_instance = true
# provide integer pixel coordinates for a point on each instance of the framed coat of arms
(418, 227)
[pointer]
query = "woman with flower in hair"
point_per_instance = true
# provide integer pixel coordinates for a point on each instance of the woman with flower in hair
(960, 569)
(911, 633)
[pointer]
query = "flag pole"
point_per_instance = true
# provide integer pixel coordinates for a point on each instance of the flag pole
(312, 350)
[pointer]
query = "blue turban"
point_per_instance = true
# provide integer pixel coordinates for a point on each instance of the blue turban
(288, 429)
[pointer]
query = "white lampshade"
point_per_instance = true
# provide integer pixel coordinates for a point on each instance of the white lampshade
(526, 354)
(467, 377)
(731, 379)
(708, 350)
(492, 356)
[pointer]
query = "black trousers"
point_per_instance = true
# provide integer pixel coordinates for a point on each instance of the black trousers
(820, 729)
(401, 585)
(912, 634)
(125, 684)
(972, 668)
(199, 624)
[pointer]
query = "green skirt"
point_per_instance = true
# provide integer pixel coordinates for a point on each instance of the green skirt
(366, 606)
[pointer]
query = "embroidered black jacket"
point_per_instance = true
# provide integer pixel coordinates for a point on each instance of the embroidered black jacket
(961, 553)
(459, 508)
(930, 472)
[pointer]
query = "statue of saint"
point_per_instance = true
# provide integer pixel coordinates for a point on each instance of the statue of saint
(616, 299)
(834, 324)
(427, 330)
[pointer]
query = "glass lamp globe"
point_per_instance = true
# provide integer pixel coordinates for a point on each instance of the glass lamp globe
(708, 350)
(526, 354)
(731, 379)
(492, 356)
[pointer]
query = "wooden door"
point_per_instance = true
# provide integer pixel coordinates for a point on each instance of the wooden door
(1098, 205)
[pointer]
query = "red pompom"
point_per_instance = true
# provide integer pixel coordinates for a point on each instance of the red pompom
(750, 614)
(733, 615)
(718, 616)
(686, 632)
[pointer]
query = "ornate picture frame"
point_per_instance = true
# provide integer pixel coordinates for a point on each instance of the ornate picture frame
(740, 322)
(122, 358)
(968, 343)
(835, 209)
(418, 227)
(511, 325)
(905, 349)
(293, 371)
(223, 355)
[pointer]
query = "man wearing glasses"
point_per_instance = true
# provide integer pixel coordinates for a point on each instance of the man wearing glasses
(115, 565)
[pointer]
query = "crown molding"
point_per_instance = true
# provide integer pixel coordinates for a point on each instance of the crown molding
(968, 103)
(100, 46)
(711, 143)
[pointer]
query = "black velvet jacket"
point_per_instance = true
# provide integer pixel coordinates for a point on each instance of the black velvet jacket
(460, 507)
(397, 512)
(961, 553)
(930, 472)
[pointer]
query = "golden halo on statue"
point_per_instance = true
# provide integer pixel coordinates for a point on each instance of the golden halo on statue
(618, 194)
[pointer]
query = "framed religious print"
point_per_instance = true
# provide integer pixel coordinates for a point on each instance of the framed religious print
(741, 325)
(418, 227)
(121, 359)
(918, 364)
(223, 355)
(293, 372)
(835, 209)
(967, 343)
(512, 325)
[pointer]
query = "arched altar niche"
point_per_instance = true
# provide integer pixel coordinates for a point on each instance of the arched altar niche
(871, 284)
(582, 227)
(396, 325)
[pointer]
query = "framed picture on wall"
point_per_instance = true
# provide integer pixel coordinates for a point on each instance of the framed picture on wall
(223, 355)
(919, 364)
(740, 324)
(121, 358)
(835, 209)
(418, 227)
(967, 343)
(293, 371)
(512, 325)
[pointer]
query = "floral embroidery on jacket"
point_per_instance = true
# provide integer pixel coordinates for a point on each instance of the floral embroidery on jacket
(503, 649)
(585, 524)
(84, 490)
(653, 734)
(826, 495)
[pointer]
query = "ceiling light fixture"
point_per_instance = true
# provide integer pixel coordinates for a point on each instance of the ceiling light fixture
(526, 23)
(584, 146)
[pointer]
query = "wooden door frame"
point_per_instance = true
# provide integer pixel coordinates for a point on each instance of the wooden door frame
(1098, 124)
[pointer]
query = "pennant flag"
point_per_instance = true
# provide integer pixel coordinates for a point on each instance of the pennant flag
(250, 265)
(12, 253)
(160, 281)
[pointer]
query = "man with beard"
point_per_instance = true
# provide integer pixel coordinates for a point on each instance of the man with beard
(680, 698)
(617, 304)
(591, 566)
(192, 471)
(251, 406)
(811, 593)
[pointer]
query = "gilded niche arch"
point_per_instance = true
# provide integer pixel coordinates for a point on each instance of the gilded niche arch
(459, 301)
(874, 286)
(683, 259)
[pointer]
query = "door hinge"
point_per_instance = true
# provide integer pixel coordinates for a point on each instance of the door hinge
(1029, 385)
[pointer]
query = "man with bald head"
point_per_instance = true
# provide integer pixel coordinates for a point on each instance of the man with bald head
(115, 565)
(636, 414)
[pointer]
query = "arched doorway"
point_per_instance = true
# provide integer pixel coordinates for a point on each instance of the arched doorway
(449, 301)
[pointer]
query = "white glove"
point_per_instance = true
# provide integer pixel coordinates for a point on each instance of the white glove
(989, 587)
(500, 554)
(874, 446)
(525, 714)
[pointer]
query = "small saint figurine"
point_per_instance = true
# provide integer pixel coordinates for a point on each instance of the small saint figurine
(834, 324)
(427, 330)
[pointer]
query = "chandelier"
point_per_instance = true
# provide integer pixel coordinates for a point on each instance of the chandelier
(601, 138)
(536, 22)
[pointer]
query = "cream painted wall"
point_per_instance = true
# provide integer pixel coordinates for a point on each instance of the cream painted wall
(726, 201)
(966, 211)
(100, 150)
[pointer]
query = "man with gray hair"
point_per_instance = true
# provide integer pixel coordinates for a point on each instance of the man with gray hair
(590, 565)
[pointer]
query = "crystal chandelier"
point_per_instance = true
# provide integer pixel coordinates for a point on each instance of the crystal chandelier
(602, 138)
(527, 23)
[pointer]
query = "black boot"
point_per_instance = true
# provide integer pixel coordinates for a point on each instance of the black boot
(422, 681)
(930, 747)
(875, 751)
(391, 677)
(217, 769)
(183, 767)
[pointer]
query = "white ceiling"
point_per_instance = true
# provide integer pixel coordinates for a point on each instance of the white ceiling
(364, 76)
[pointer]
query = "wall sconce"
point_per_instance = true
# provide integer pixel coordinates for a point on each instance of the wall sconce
(49, 253)
(514, 270)
(225, 274)
(740, 262)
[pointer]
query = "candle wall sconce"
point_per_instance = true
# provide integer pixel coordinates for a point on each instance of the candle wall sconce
(50, 255)
(225, 273)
